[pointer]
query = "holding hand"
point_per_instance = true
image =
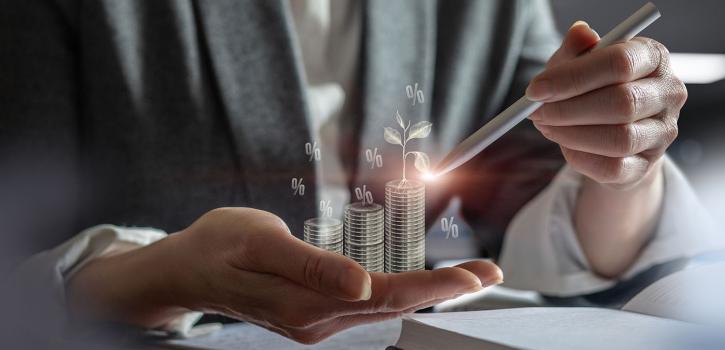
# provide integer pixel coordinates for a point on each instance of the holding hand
(244, 263)
(613, 111)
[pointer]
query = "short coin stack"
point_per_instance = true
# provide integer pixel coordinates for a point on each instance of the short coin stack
(364, 235)
(325, 233)
(404, 226)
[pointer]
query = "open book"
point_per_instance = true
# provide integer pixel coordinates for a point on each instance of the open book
(683, 310)
(670, 313)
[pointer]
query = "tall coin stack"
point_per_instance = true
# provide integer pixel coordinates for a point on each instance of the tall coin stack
(364, 235)
(325, 233)
(404, 226)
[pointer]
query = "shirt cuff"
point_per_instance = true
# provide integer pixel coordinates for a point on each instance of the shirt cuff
(541, 251)
(40, 280)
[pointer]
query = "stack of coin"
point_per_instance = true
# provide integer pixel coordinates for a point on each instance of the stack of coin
(325, 233)
(364, 235)
(404, 226)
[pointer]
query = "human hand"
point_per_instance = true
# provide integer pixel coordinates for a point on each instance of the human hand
(245, 264)
(613, 111)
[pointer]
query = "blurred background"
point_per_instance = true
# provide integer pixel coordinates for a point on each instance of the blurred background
(691, 30)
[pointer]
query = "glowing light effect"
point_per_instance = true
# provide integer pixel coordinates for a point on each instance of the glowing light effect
(429, 176)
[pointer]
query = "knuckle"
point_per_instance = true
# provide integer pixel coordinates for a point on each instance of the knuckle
(660, 53)
(249, 252)
(557, 113)
(219, 213)
(613, 170)
(313, 271)
(382, 301)
(626, 139)
(671, 130)
(576, 80)
(622, 62)
(681, 93)
(626, 99)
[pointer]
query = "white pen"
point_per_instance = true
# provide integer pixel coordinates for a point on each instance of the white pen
(519, 110)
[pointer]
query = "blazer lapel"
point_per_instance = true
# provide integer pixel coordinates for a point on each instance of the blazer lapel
(257, 70)
(398, 49)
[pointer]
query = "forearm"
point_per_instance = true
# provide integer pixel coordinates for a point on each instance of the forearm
(135, 287)
(613, 224)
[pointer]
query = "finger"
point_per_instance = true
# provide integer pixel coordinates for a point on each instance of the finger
(295, 306)
(607, 170)
(487, 272)
(278, 302)
(401, 291)
(618, 63)
(579, 39)
(616, 104)
(326, 272)
(613, 140)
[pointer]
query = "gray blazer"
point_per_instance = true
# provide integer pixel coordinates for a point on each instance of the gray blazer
(149, 113)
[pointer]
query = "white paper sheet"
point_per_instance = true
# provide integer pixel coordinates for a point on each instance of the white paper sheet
(557, 328)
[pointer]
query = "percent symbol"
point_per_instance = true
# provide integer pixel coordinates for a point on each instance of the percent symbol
(312, 150)
(298, 188)
(364, 195)
(450, 228)
(325, 208)
(414, 93)
(375, 159)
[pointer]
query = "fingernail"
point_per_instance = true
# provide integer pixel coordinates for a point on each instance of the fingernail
(579, 23)
(354, 283)
(367, 290)
(539, 90)
(492, 282)
(497, 279)
(582, 23)
(595, 32)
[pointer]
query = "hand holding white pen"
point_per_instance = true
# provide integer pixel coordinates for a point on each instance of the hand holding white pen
(613, 111)
(581, 67)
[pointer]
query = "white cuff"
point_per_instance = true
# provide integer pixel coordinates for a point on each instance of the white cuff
(42, 277)
(541, 251)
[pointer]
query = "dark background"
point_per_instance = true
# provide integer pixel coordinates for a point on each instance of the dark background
(685, 27)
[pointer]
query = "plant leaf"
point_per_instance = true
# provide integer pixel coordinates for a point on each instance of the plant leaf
(422, 162)
(392, 136)
(419, 130)
(399, 119)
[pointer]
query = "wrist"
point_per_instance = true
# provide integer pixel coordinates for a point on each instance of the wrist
(135, 287)
(651, 179)
(613, 224)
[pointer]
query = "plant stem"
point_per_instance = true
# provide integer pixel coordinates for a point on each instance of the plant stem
(404, 162)
(405, 141)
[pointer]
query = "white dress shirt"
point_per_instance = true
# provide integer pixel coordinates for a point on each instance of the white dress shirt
(328, 34)
(540, 250)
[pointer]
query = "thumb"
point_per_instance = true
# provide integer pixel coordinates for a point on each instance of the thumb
(578, 40)
(327, 272)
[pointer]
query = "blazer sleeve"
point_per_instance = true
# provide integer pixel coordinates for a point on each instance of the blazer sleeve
(40, 174)
(39, 126)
